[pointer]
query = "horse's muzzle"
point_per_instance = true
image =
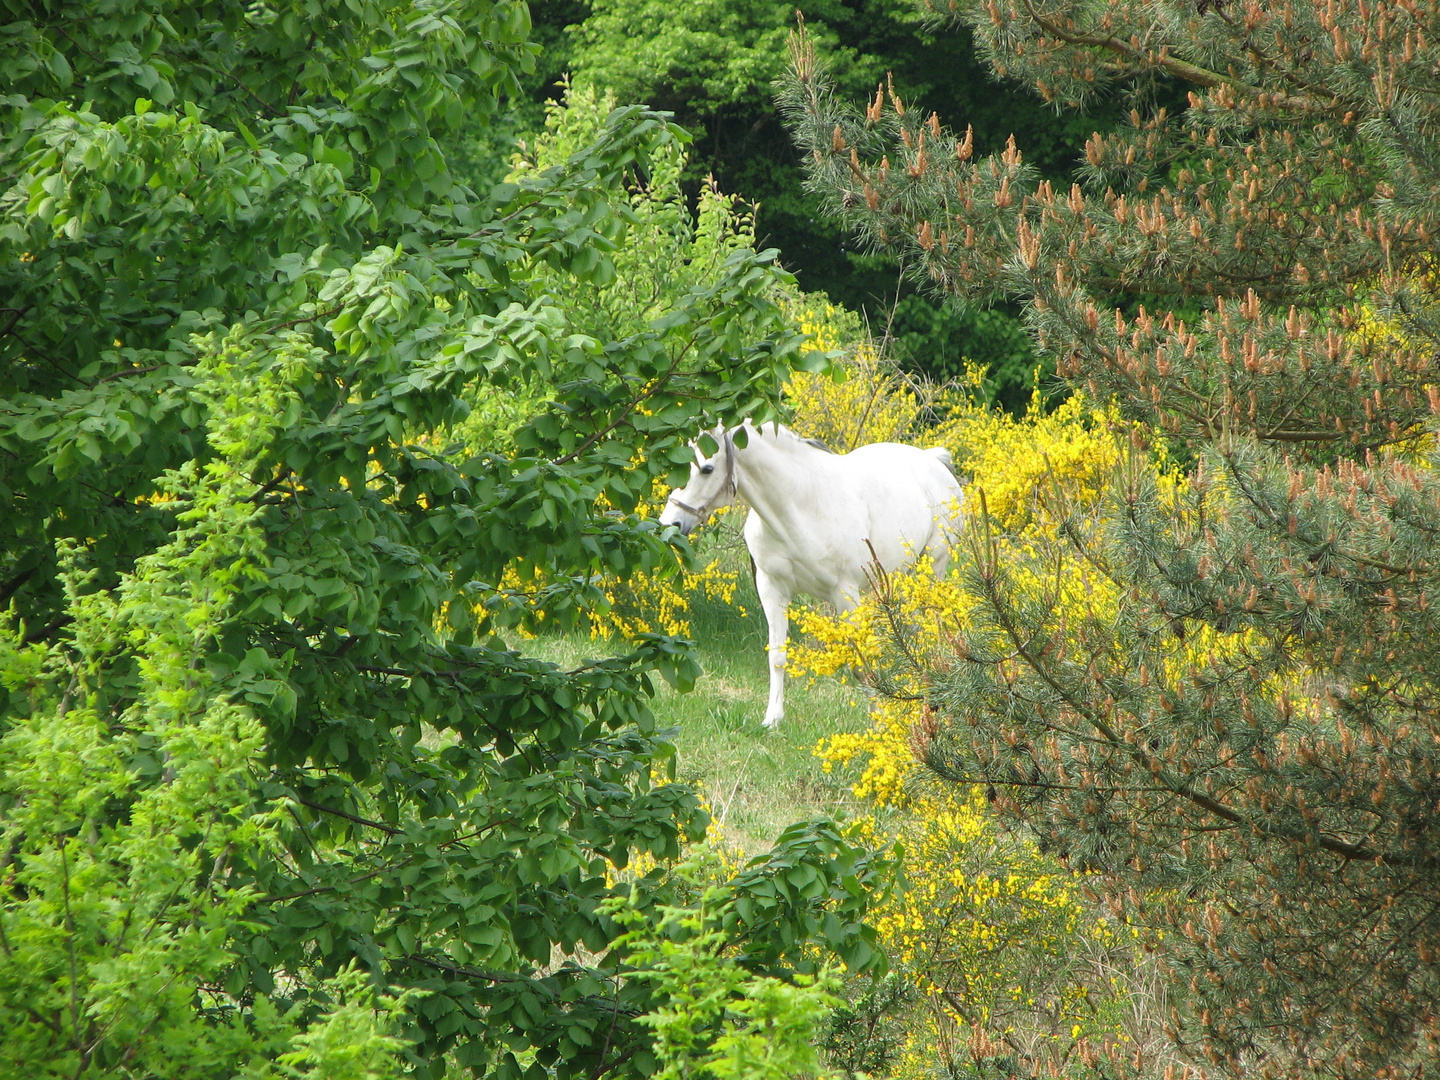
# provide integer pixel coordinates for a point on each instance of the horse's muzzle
(680, 519)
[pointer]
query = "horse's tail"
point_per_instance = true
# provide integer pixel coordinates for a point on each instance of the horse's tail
(944, 456)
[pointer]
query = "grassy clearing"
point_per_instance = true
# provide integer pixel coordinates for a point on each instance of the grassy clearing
(757, 781)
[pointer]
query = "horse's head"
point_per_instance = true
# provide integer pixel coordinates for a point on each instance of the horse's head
(711, 486)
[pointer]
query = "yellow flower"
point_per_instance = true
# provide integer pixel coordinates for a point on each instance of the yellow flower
(991, 931)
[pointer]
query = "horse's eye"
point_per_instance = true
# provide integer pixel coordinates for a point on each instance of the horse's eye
(707, 469)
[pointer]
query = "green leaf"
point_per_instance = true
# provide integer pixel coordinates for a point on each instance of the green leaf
(60, 68)
(245, 132)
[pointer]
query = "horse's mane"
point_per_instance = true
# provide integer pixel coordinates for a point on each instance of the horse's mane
(781, 429)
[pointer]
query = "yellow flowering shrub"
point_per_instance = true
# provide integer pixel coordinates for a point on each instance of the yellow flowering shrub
(1017, 462)
(660, 603)
(657, 602)
(1071, 451)
(864, 399)
(861, 644)
(1010, 963)
(997, 942)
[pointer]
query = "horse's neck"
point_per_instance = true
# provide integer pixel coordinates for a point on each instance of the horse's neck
(777, 478)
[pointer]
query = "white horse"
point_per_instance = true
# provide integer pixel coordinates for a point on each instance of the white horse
(819, 520)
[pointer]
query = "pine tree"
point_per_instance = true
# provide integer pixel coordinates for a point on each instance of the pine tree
(1241, 743)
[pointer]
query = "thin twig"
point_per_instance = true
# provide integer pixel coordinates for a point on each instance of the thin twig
(16, 315)
(304, 319)
(328, 888)
(652, 390)
(389, 829)
(70, 941)
(132, 371)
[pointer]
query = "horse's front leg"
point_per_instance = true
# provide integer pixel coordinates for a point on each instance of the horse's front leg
(775, 601)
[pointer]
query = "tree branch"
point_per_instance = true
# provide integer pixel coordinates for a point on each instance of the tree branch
(1181, 69)
(16, 314)
(1178, 787)
(388, 829)
(650, 392)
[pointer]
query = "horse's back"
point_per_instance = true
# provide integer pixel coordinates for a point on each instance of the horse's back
(910, 496)
(924, 475)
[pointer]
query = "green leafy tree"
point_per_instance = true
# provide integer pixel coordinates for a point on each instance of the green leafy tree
(257, 726)
(714, 65)
(664, 253)
(1232, 724)
(667, 250)
(121, 830)
(719, 1019)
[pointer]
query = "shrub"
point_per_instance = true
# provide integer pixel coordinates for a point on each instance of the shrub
(1015, 969)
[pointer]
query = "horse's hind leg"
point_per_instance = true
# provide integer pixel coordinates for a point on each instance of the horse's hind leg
(776, 603)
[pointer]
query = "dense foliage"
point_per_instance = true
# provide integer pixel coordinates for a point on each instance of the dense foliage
(1216, 697)
(256, 723)
(1001, 964)
(713, 64)
(665, 253)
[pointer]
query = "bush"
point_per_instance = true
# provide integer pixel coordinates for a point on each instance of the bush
(1015, 969)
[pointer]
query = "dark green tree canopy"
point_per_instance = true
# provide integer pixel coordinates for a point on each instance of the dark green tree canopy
(253, 580)
(714, 65)
(1242, 746)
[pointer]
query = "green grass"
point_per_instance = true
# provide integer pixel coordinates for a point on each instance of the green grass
(756, 781)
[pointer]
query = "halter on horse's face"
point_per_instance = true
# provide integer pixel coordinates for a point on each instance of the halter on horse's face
(712, 485)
